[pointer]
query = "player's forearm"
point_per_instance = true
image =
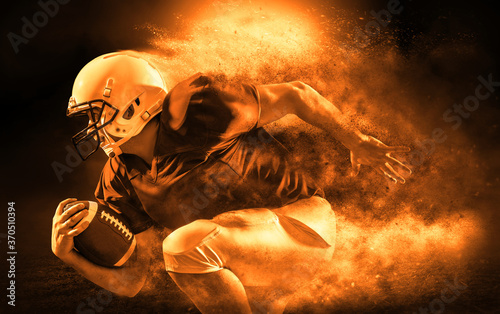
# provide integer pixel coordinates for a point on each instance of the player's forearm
(318, 111)
(126, 281)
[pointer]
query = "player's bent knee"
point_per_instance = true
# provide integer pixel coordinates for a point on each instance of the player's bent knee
(188, 236)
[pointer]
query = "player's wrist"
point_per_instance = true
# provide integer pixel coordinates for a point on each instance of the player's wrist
(354, 140)
(68, 257)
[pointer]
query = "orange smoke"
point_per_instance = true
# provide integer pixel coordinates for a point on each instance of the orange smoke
(402, 261)
(396, 243)
(238, 39)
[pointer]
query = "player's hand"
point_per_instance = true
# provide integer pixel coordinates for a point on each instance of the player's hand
(180, 96)
(372, 152)
(63, 227)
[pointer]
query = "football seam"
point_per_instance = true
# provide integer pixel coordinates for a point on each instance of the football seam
(115, 222)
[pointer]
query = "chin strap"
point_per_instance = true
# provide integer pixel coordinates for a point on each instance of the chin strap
(109, 146)
(112, 148)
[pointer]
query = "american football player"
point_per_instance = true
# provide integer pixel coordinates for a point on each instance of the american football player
(193, 153)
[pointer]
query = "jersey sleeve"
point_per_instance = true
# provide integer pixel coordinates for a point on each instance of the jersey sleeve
(115, 191)
(232, 107)
(214, 117)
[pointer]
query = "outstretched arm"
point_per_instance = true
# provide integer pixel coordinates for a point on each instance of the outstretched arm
(278, 100)
(127, 280)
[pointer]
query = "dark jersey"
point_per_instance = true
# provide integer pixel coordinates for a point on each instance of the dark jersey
(218, 160)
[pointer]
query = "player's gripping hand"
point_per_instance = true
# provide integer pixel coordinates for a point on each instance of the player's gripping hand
(63, 227)
(372, 152)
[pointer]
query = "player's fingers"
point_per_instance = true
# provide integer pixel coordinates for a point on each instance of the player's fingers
(397, 149)
(75, 219)
(393, 173)
(385, 174)
(61, 205)
(355, 169)
(72, 212)
(81, 228)
(399, 163)
(355, 166)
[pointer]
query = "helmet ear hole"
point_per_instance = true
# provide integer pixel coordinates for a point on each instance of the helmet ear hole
(129, 113)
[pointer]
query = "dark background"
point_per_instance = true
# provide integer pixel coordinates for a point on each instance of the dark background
(36, 84)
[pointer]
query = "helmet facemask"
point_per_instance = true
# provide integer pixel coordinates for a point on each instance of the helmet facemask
(100, 114)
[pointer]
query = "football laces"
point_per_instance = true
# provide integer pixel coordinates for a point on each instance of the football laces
(117, 223)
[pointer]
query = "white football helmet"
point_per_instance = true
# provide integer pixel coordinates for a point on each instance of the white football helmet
(120, 94)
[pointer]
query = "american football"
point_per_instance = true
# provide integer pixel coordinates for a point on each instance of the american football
(107, 241)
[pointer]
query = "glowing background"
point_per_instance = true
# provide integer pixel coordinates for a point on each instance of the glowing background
(397, 245)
